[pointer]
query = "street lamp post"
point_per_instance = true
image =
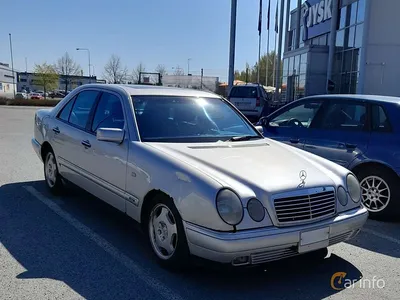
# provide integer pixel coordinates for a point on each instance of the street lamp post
(189, 59)
(12, 65)
(86, 49)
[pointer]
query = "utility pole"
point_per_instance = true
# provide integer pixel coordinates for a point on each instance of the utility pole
(26, 65)
(12, 64)
(201, 79)
(278, 62)
(232, 45)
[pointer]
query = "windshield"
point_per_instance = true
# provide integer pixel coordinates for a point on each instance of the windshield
(188, 119)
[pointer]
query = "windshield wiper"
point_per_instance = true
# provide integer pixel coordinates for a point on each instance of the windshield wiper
(244, 138)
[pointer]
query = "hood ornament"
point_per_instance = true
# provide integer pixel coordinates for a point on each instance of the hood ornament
(302, 176)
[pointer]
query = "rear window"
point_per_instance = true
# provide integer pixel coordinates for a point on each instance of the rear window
(380, 121)
(244, 92)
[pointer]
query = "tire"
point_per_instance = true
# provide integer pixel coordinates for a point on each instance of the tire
(53, 179)
(166, 234)
(380, 192)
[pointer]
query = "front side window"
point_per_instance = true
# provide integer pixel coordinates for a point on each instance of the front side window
(188, 119)
(109, 113)
(341, 116)
(380, 121)
(298, 116)
(66, 111)
(82, 106)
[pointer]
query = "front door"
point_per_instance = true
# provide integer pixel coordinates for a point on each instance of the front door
(341, 133)
(291, 124)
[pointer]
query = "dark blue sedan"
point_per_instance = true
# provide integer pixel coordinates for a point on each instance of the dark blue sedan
(361, 133)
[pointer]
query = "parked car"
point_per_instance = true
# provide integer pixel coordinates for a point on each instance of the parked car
(57, 94)
(197, 175)
(21, 96)
(249, 99)
(36, 96)
(361, 133)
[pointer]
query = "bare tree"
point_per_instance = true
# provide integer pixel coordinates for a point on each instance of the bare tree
(136, 72)
(178, 71)
(67, 68)
(113, 70)
(161, 69)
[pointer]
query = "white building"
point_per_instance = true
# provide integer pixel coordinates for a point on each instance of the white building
(7, 84)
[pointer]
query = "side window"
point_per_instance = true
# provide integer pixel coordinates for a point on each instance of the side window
(343, 115)
(109, 113)
(298, 116)
(81, 110)
(66, 111)
(380, 121)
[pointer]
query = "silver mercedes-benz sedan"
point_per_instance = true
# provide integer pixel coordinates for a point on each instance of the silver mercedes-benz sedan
(196, 174)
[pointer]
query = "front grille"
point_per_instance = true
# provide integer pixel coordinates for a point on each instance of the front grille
(263, 257)
(305, 207)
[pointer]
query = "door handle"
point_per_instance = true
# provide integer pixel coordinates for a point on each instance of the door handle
(86, 143)
(351, 146)
(56, 130)
(294, 141)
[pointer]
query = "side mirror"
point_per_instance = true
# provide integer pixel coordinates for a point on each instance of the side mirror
(260, 129)
(113, 135)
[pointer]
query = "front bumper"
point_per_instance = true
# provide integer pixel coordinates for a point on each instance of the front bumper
(272, 243)
(36, 146)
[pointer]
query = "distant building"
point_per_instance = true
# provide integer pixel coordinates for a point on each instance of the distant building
(207, 83)
(27, 81)
(7, 87)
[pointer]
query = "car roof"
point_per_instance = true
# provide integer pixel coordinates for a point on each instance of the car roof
(375, 98)
(136, 90)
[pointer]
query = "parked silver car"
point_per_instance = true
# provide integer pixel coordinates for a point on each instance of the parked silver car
(196, 174)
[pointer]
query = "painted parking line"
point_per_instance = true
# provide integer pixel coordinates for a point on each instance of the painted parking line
(381, 235)
(164, 291)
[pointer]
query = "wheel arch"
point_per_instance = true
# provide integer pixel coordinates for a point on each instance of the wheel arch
(373, 164)
(147, 201)
(45, 148)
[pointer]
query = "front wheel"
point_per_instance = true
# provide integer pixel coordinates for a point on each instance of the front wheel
(167, 235)
(52, 176)
(379, 192)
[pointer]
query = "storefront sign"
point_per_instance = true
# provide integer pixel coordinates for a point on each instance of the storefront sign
(317, 15)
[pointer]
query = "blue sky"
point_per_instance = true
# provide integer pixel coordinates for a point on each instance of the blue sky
(149, 31)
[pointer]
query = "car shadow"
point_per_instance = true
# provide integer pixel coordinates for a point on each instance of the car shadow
(47, 246)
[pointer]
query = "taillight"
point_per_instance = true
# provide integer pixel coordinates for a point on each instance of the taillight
(258, 102)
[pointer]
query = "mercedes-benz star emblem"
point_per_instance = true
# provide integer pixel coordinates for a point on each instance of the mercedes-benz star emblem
(303, 176)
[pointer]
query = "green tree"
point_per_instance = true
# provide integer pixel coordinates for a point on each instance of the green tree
(46, 77)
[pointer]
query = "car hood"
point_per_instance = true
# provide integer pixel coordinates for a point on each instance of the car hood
(254, 166)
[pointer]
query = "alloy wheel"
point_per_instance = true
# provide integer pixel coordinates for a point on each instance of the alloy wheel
(51, 170)
(375, 193)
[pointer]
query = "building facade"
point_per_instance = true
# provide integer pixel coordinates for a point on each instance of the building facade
(342, 46)
(7, 84)
(28, 82)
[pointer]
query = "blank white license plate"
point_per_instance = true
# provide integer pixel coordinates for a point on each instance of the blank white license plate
(314, 239)
(242, 103)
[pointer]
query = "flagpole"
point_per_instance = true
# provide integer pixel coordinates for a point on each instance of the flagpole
(259, 58)
(273, 74)
(267, 61)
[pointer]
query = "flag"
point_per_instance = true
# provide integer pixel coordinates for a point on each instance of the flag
(276, 17)
(268, 14)
(260, 19)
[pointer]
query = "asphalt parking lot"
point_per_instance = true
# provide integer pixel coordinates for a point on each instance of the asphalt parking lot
(76, 246)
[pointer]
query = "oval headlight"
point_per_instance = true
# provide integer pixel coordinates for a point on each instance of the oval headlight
(256, 210)
(353, 186)
(342, 196)
(229, 207)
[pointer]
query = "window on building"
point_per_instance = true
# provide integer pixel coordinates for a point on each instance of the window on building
(361, 11)
(285, 66)
(351, 34)
(359, 36)
(347, 61)
(303, 64)
(343, 15)
(339, 40)
(291, 62)
(353, 13)
(301, 36)
(296, 67)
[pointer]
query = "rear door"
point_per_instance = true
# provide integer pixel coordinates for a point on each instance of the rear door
(291, 125)
(341, 133)
(244, 98)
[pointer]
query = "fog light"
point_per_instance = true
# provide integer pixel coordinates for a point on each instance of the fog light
(342, 196)
(241, 260)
